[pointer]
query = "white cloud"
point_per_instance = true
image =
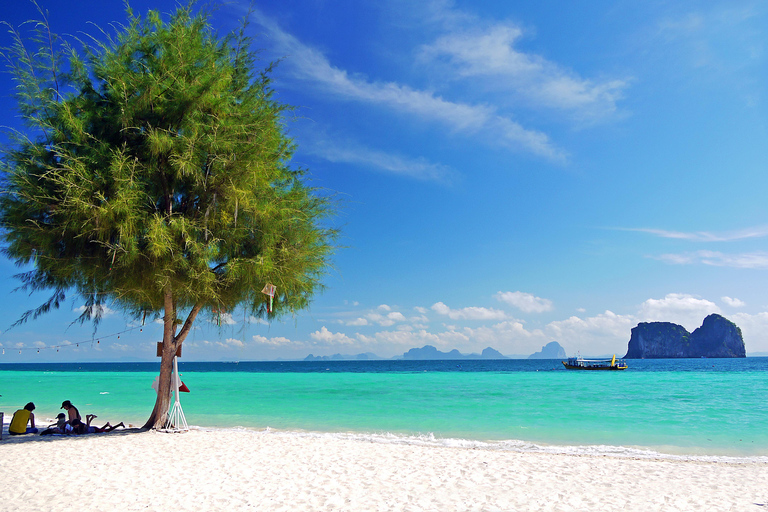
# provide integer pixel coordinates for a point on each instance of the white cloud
(330, 338)
(338, 150)
(606, 332)
(234, 342)
(255, 320)
(734, 303)
(357, 322)
(470, 313)
(380, 319)
(724, 39)
(754, 328)
(508, 337)
(221, 319)
(310, 65)
(489, 53)
(707, 236)
(525, 301)
(411, 339)
(752, 260)
(103, 310)
(683, 309)
(420, 318)
(277, 341)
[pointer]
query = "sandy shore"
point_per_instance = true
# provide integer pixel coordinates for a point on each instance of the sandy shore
(262, 470)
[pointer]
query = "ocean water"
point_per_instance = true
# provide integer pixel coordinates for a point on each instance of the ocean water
(691, 407)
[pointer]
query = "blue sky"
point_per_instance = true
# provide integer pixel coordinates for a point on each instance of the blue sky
(509, 174)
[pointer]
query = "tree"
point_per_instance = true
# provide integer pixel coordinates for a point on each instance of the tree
(155, 176)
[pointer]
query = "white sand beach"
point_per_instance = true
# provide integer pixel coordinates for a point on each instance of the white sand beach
(266, 470)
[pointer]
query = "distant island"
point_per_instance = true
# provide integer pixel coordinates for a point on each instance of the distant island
(552, 350)
(717, 337)
(430, 352)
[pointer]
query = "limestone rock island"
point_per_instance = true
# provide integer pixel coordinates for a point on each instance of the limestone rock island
(552, 350)
(717, 337)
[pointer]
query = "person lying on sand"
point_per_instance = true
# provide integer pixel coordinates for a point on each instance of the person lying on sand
(85, 428)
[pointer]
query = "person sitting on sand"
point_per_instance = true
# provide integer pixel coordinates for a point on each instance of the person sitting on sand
(72, 412)
(60, 427)
(61, 420)
(20, 419)
(85, 428)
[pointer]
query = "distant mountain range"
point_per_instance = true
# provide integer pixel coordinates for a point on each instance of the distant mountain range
(428, 352)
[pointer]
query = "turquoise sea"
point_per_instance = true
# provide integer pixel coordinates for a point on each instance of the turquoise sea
(692, 407)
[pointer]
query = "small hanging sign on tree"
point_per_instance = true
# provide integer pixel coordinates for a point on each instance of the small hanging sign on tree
(269, 289)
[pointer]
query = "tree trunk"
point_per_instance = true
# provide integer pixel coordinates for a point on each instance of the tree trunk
(171, 343)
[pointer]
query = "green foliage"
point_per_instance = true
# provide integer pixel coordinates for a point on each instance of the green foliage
(157, 163)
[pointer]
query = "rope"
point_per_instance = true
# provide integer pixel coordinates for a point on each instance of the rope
(74, 344)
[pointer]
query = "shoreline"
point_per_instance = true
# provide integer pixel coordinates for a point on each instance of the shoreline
(429, 440)
(271, 470)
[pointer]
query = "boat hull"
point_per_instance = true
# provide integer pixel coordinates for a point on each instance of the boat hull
(596, 368)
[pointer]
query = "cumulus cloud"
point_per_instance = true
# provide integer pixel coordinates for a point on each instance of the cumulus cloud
(331, 338)
(276, 341)
(525, 301)
(754, 328)
(579, 331)
(234, 342)
(382, 320)
(683, 309)
(734, 303)
(255, 320)
(410, 339)
(469, 313)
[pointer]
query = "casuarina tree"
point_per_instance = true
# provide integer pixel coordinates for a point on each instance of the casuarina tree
(155, 176)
